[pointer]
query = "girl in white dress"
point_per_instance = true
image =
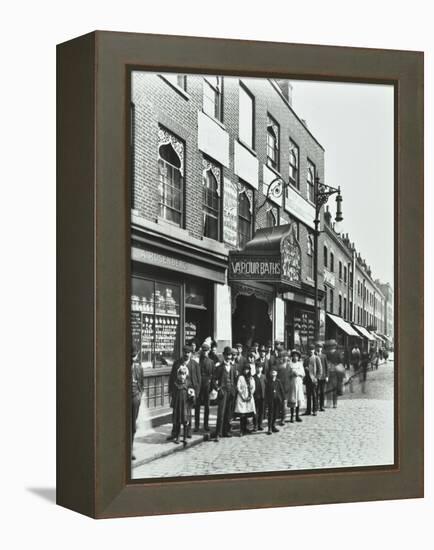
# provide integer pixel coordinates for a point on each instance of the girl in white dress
(296, 392)
(245, 402)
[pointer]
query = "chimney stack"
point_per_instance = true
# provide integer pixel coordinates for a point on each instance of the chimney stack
(286, 88)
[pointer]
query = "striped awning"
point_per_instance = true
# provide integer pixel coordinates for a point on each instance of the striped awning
(343, 325)
(365, 333)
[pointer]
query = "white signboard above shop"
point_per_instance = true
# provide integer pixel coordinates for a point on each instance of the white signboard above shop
(213, 139)
(299, 207)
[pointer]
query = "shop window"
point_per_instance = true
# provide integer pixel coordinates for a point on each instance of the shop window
(155, 321)
(211, 201)
(246, 115)
(213, 96)
(273, 143)
(171, 184)
(304, 329)
(310, 181)
(198, 313)
(244, 220)
(294, 164)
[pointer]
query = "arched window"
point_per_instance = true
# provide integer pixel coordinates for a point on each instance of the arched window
(171, 184)
(311, 182)
(244, 220)
(310, 253)
(211, 206)
(325, 256)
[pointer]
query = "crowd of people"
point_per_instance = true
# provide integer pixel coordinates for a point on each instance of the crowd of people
(261, 387)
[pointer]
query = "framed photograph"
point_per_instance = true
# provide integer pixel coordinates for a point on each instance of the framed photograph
(240, 274)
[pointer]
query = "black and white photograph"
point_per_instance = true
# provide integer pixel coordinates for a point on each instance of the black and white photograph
(262, 275)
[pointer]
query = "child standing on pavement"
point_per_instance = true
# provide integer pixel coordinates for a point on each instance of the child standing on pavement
(245, 403)
(274, 398)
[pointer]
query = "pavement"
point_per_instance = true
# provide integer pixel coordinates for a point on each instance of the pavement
(359, 432)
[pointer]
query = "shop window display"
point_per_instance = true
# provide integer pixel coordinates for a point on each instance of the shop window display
(155, 320)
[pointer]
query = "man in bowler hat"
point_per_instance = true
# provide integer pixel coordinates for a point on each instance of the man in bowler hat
(193, 376)
(206, 371)
(224, 382)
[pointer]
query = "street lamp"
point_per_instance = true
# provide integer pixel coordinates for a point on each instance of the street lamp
(322, 194)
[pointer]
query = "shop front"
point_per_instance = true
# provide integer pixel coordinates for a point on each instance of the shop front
(367, 339)
(340, 330)
(172, 302)
(259, 275)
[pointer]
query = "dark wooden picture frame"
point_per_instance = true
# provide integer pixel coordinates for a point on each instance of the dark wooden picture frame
(93, 342)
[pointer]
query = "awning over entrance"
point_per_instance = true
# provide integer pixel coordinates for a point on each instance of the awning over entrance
(343, 325)
(364, 332)
(272, 256)
(378, 337)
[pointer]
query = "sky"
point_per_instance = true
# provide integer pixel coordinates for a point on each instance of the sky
(354, 124)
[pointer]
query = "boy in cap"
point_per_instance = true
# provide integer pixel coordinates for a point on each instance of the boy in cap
(224, 382)
(274, 398)
(206, 372)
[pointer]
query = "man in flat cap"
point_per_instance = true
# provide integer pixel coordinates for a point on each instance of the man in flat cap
(224, 382)
(238, 358)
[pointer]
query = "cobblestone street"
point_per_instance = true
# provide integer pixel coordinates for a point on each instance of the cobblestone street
(358, 433)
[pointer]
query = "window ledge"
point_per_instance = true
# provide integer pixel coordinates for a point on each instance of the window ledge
(249, 149)
(215, 246)
(216, 120)
(177, 88)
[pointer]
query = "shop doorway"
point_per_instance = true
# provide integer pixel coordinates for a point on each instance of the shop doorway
(250, 321)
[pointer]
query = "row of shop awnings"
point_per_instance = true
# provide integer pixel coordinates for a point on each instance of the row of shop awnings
(357, 330)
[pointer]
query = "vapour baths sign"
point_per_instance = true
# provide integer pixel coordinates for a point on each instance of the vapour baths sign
(253, 267)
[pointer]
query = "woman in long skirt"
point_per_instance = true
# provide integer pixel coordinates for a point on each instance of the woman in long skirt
(296, 392)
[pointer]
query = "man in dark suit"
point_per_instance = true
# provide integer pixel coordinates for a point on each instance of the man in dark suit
(263, 361)
(224, 382)
(137, 386)
(322, 376)
(206, 372)
(259, 396)
(194, 377)
(312, 366)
